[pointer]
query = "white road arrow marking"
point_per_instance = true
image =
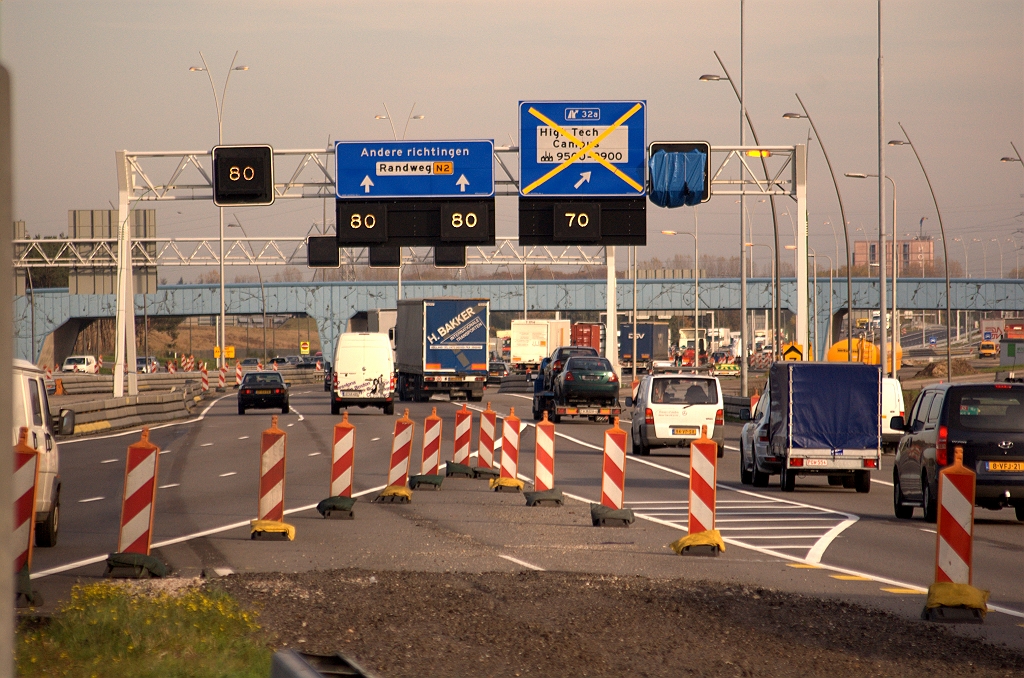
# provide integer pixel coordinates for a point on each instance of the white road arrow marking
(584, 177)
(366, 183)
(462, 183)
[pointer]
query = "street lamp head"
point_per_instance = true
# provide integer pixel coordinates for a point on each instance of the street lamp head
(669, 233)
(196, 68)
(1008, 159)
(857, 175)
(899, 142)
(790, 247)
(711, 77)
(381, 117)
(417, 117)
(794, 116)
(240, 68)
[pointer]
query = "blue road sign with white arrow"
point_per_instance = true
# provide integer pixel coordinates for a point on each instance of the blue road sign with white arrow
(582, 148)
(377, 170)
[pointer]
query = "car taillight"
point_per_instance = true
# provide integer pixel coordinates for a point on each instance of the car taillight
(246, 391)
(556, 366)
(335, 379)
(1002, 386)
(941, 458)
(569, 377)
(649, 416)
(614, 379)
(720, 418)
(393, 382)
(278, 391)
(796, 462)
(870, 463)
(762, 437)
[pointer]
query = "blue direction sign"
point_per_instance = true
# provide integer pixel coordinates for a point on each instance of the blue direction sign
(582, 148)
(376, 170)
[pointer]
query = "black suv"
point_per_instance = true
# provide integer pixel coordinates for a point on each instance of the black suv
(987, 421)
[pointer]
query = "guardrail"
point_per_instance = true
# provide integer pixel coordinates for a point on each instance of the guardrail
(78, 384)
(93, 415)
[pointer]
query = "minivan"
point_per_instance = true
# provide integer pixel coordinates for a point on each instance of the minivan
(80, 363)
(670, 410)
(987, 421)
(31, 409)
(892, 406)
(364, 372)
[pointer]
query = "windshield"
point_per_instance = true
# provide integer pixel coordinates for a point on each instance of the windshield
(255, 379)
(75, 361)
(684, 391)
(589, 365)
(987, 410)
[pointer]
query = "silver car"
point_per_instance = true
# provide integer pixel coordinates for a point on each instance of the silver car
(670, 409)
(754, 446)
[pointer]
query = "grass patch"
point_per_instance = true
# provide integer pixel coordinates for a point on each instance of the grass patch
(122, 630)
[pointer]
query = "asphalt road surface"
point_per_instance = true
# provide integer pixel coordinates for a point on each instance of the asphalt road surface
(819, 540)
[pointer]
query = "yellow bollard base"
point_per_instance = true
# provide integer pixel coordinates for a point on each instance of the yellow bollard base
(707, 543)
(506, 484)
(955, 603)
(271, 529)
(395, 493)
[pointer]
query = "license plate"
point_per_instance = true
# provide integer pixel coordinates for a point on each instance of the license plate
(816, 462)
(263, 392)
(351, 394)
(1005, 465)
(680, 431)
(590, 377)
(457, 394)
(589, 410)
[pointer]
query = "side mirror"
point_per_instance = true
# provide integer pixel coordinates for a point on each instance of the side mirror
(897, 424)
(287, 383)
(629, 401)
(745, 413)
(66, 423)
(391, 333)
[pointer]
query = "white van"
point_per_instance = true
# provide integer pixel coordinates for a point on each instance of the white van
(31, 409)
(892, 406)
(81, 363)
(364, 372)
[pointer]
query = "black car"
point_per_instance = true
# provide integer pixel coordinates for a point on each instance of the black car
(987, 421)
(496, 371)
(556, 361)
(263, 391)
(328, 377)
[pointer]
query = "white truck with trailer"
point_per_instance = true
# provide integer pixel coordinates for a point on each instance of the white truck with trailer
(534, 340)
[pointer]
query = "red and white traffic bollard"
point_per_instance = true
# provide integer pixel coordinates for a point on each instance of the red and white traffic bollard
(702, 538)
(952, 597)
(544, 457)
(99, 364)
(138, 505)
(49, 374)
(398, 470)
(339, 503)
(205, 379)
(273, 366)
(171, 367)
(508, 479)
(222, 377)
(319, 366)
(270, 515)
(485, 448)
(613, 481)
(431, 460)
(463, 435)
(238, 374)
(26, 479)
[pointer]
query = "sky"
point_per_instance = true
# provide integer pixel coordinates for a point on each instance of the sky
(93, 77)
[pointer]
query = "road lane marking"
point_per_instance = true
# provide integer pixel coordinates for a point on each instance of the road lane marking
(229, 473)
(165, 451)
(909, 592)
(804, 566)
(206, 445)
(290, 425)
(170, 485)
(243, 437)
(373, 440)
(86, 501)
(189, 537)
(849, 577)
(109, 461)
(313, 454)
(925, 529)
(522, 562)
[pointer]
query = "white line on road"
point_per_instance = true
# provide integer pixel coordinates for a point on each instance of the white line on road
(86, 501)
(313, 454)
(373, 440)
(522, 562)
(206, 445)
(925, 529)
(243, 437)
(165, 451)
(290, 425)
(108, 461)
(170, 485)
(188, 537)
(229, 473)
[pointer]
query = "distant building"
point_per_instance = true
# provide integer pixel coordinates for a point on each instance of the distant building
(93, 224)
(918, 252)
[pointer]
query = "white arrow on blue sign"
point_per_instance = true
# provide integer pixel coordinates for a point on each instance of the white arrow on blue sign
(414, 169)
(582, 148)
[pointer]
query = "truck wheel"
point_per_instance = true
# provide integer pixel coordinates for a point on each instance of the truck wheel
(787, 479)
(1019, 511)
(46, 531)
(835, 481)
(537, 415)
(862, 481)
(902, 511)
(556, 418)
(335, 407)
(389, 408)
(849, 482)
(759, 479)
(241, 410)
(746, 477)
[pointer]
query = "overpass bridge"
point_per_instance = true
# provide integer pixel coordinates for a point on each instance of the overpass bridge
(331, 304)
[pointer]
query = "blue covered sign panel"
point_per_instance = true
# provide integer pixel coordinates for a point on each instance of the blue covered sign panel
(577, 149)
(375, 170)
(679, 173)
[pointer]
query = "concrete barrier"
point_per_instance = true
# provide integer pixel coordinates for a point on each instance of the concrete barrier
(93, 415)
(75, 384)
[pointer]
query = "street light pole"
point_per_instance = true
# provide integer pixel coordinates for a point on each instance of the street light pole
(881, 200)
(945, 248)
(219, 104)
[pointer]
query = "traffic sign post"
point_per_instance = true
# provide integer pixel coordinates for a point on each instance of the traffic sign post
(582, 173)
